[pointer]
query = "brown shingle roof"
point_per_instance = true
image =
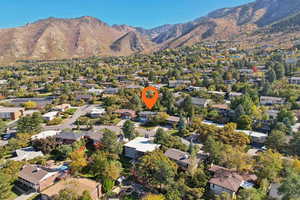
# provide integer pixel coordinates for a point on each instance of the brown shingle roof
(32, 173)
(229, 178)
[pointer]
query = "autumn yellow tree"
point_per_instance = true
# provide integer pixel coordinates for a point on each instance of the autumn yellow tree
(78, 161)
(236, 158)
(153, 197)
(30, 105)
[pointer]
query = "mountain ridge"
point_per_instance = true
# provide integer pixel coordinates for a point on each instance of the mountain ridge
(58, 38)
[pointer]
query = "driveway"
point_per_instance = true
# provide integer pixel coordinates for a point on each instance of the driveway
(68, 123)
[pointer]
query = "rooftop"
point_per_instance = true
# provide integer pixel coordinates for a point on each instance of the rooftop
(142, 144)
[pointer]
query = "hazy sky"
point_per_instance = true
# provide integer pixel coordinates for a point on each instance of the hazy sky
(144, 13)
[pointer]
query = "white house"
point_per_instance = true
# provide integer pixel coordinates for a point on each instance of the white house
(266, 100)
(139, 146)
(62, 107)
(95, 91)
(45, 134)
(294, 80)
(97, 112)
(50, 115)
(257, 137)
(27, 153)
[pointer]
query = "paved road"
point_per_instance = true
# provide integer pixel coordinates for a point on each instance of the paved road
(68, 123)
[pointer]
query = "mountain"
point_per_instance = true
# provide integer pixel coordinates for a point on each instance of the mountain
(229, 23)
(262, 21)
(54, 38)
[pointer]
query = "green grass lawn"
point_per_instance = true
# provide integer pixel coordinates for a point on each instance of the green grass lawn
(12, 196)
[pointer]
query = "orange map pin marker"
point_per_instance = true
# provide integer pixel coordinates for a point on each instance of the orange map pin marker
(150, 102)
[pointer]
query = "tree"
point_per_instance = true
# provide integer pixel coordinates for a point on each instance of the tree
(78, 161)
(153, 197)
(279, 70)
(110, 142)
(5, 186)
(66, 194)
(250, 194)
(30, 105)
(271, 76)
(98, 163)
(112, 170)
(290, 186)
(46, 145)
(276, 140)
(164, 173)
(11, 170)
(244, 122)
(294, 144)
(156, 169)
(85, 196)
(214, 148)
(107, 185)
(182, 130)
(30, 124)
(269, 165)
(286, 116)
(128, 130)
(168, 100)
(236, 158)
(2, 125)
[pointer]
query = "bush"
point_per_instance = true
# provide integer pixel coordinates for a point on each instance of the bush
(55, 121)
(70, 111)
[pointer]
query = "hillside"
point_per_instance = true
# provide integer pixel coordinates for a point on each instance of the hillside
(54, 38)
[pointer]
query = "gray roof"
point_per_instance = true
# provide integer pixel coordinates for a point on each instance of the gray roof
(178, 155)
(69, 136)
(274, 191)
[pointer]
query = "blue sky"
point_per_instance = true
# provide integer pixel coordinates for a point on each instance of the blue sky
(144, 13)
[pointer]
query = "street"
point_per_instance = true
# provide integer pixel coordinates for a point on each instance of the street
(68, 123)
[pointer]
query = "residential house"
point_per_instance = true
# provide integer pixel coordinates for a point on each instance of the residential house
(84, 97)
(111, 91)
(95, 91)
(294, 80)
(50, 115)
(173, 120)
(146, 116)
(3, 82)
(146, 132)
(223, 108)
(36, 178)
(200, 102)
(11, 113)
(69, 137)
(96, 112)
(183, 159)
(267, 100)
(126, 113)
(272, 113)
(176, 83)
(25, 154)
(45, 134)
(139, 146)
(233, 95)
(217, 93)
(256, 137)
(229, 181)
(95, 137)
(62, 107)
(79, 184)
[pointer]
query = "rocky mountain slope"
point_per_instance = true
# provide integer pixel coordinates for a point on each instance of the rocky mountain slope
(54, 38)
